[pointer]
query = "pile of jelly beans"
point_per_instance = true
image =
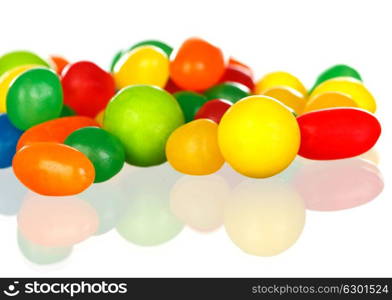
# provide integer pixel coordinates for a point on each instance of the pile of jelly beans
(65, 126)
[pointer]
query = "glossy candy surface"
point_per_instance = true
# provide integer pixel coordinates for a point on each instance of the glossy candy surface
(228, 91)
(87, 88)
(142, 65)
(279, 79)
(288, 96)
(337, 133)
(34, 97)
(238, 74)
(53, 169)
(336, 71)
(190, 103)
(329, 100)
(213, 110)
(258, 137)
(193, 148)
(143, 117)
(351, 87)
(161, 45)
(5, 81)
(197, 66)
(20, 58)
(55, 130)
(9, 136)
(103, 149)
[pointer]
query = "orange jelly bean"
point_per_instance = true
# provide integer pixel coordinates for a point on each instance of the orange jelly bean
(55, 130)
(53, 169)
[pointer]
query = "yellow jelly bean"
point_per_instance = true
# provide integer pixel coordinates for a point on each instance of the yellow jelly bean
(351, 87)
(288, 96)
(143, 65)
(99, 117)
(5, 81)
(329, 100)
(193, 148)
(279, 79)
(258, 136)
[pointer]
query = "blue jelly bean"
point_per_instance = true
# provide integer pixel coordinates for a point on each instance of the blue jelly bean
(9, 136)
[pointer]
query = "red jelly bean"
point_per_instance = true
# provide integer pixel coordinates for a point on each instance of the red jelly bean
(213, 110)
(87, 88)
(337, 133)
(238, 74)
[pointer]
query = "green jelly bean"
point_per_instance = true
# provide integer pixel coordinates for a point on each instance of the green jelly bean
(227, 91)
(34, 97)
(143, 117)
(190, 103)
(67, 111)
(20, 58)
(104, 150)
(161, 45)
(336, 71)
(115, 59)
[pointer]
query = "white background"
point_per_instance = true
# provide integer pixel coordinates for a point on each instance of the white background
(301, 37)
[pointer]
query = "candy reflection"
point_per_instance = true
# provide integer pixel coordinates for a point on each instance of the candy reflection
(42, 255)
(56, 221)
(108, 201)
(340, 184)
(12, 193)
(198, 201)
(264, 217)
(147, 219)
(371, 156)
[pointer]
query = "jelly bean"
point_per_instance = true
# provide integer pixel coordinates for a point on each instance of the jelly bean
(336, 71)
(193, 148)
(337, 133)
(67, 111)
(143, 117)
(238, 75)
(87, 88)
(19, 58)
(264, 218)
(42, 255)
(55, 221)
(103, 149)
(5, 81)
(258, 136)
(288, 96)
(34, 97)
(148, 219)
(198, 201)
(53, 169)
(244, 68)
(59, 62)
(190, 103)
(339, 184)
(351, 87)
(161, 45)
(171, 87)
(197, 66)
(228, 91)
(143, 65)
(213, 110)
(329, 100)
(55, 130)
(9, 136)
(279, 79)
